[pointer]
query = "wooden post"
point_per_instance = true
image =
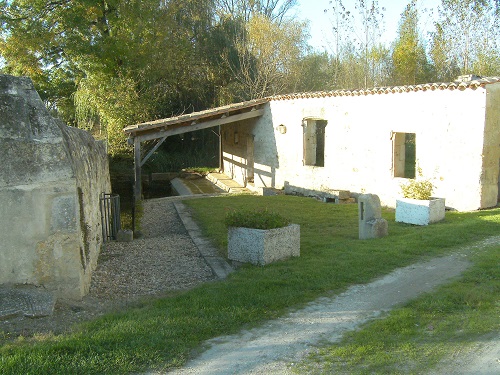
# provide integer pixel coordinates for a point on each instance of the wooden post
(221, 163)
(137, 170)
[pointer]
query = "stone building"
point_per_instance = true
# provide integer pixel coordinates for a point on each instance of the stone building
(371, 141)
(362, 141)
(51, 178)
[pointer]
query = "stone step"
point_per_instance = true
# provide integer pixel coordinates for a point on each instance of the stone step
(226, 183)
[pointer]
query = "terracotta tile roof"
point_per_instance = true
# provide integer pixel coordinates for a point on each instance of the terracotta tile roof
(457, 85)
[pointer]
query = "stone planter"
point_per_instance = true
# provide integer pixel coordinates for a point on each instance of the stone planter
(420, 212)
(261, 247)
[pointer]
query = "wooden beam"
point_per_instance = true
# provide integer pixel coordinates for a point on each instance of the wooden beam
(155, 134)
(158, 144)
(137, 170)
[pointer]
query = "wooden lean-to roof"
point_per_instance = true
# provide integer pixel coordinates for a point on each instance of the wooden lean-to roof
(197, 120)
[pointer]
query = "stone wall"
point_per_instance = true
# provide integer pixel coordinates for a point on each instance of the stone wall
(490, 179)
(50, 181)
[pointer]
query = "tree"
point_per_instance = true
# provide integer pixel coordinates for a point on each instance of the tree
(274, 10)
(122, 62)
(342, 31)
(465, 31)
(268, 57)
(357, 43)
(317, 73)
(444, 61)
(409, 59)
(368, 35)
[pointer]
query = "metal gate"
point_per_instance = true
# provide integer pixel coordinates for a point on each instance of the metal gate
(110, 216)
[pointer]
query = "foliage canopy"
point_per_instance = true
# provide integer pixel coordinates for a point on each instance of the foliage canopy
(105, 64)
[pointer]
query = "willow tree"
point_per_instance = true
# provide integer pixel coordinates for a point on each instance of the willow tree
(121, 62)
(264, 47)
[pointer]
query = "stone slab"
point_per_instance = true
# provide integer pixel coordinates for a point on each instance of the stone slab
(167, 176)
(26, 300)
(179, 187)
(226, 183)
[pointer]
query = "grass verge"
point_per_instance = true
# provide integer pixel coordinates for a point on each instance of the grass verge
(162, 334)
(415, 338)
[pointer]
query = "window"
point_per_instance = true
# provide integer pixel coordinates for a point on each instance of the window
(404, 154)
(314, 142)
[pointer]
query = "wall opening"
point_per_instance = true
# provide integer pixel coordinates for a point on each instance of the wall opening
(314, 142)
(404, 154)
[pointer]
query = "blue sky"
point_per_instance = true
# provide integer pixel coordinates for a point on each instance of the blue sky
(320, 29)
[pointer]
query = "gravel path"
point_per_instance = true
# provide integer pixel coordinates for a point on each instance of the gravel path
(165, 259)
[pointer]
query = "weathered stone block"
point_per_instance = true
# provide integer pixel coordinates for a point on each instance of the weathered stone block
(268, 192)
(64, 215)
(376, 228)
(345, 201)
(341, 194)
(261, 247)
(371, 224)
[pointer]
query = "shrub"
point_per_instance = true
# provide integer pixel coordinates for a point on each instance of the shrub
(257, 219)
(417, 189)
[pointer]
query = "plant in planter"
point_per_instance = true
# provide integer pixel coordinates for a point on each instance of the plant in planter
(417, 189)
(417, 205)
(261, 237)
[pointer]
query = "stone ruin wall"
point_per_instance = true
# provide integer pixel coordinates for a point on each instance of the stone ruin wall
(51, 177)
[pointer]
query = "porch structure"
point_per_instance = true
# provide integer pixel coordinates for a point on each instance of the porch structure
(154, 133)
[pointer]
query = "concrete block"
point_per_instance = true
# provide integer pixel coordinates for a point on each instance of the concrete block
(420, 212)
(125, 235)
(261, 247)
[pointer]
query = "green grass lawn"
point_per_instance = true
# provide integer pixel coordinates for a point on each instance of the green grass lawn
(162, 334)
